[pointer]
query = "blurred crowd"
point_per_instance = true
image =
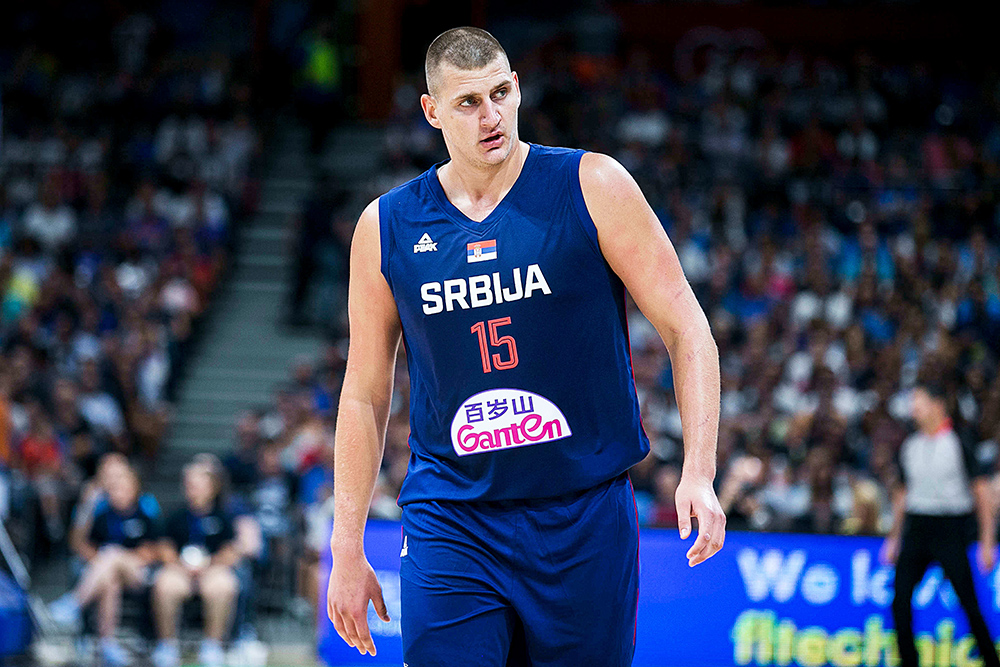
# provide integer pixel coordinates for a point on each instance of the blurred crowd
(838, 221)
(125, 167)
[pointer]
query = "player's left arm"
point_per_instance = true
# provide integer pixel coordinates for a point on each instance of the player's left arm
(637, 249)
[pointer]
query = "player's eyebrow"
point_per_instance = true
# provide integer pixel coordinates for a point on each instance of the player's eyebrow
(506, 83)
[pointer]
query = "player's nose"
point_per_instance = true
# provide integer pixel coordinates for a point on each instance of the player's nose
(490, 116)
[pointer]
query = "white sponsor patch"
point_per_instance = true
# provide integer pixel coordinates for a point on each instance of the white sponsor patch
(503, 418)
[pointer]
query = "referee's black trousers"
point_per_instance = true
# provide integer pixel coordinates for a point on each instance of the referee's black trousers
(943, 539)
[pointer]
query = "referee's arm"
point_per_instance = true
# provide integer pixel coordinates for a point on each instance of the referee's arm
(980, 460)
(890, 548)
(986, 554)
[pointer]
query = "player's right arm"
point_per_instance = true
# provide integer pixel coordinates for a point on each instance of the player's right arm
(360, 438)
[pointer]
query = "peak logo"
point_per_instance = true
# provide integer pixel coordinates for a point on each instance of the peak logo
(504, 418)
(425, 244)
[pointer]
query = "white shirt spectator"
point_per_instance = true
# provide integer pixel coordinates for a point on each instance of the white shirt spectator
(53, 227)
(178, 296)
(215, 215)
(649, 128)
(153, 372)
(102, 412)
(176, 135)
(86, 345)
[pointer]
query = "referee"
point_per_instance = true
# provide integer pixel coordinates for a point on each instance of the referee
(941, 484)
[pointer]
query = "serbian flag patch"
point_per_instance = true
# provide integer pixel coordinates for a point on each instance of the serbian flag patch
(480, 251)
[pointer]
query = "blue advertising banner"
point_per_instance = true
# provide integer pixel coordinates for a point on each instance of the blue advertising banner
(765, 599)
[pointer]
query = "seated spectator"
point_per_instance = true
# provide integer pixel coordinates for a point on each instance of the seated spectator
(315, 495)
(76, 438)
(273, 494)
(92, 496)
(121, 552)
(200, 552)
(146, 227)
(664, 513)
(241, 463)
(738, 491)
(50, 222)
(43, 463)
(99, 408)
(867, 510)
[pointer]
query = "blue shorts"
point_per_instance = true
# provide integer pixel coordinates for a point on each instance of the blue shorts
(544, 583)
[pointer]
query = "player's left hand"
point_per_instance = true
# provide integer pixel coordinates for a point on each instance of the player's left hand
(696, 498)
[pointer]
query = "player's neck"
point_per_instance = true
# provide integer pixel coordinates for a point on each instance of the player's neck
(476, 190)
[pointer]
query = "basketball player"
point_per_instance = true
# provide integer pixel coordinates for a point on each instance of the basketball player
(504, 271)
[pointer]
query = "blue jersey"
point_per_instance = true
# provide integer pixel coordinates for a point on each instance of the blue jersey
(516, 339)
(139, 525)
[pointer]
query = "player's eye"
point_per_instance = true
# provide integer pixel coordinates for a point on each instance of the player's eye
(467, 102)
(500, 94)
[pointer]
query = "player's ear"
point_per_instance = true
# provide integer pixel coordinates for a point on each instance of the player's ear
(429, 107)
(517, 86)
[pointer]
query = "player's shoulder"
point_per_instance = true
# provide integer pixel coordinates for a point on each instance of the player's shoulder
(555, 158)
(542, 151)
(606, 184)
(600, 170)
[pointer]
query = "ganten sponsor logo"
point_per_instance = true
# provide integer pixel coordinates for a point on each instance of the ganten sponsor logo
(505, 418)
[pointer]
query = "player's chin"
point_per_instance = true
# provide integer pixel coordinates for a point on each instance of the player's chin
(495, 154)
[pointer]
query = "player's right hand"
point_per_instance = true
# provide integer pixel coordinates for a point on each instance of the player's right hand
(352, 585)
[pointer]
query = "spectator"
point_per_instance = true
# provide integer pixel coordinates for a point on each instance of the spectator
(867, 515)
(273, 494)
(51, 222)
(43, 463)
(94, 494)
(121, 553)
(200, 553)
(665, 511)
(101, 411)
(316, 499)
(319, 81)
(241, 463)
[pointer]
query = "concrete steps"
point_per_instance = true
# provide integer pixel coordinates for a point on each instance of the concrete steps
(245, 352)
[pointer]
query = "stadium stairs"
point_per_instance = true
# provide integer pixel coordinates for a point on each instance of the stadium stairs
(245, 351)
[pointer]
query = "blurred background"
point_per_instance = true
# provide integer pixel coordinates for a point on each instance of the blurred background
(179, 182)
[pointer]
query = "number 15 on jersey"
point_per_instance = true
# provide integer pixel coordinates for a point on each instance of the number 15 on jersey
(495, 340)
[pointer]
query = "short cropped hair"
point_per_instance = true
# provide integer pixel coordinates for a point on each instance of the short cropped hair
(464, 48)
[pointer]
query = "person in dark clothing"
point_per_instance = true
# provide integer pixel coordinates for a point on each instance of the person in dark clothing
(942, 483)
(200, 553)
(314, 231)
(122, 553)
(241, 462)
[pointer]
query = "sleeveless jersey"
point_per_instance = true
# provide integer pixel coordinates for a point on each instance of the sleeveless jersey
(516, 341)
